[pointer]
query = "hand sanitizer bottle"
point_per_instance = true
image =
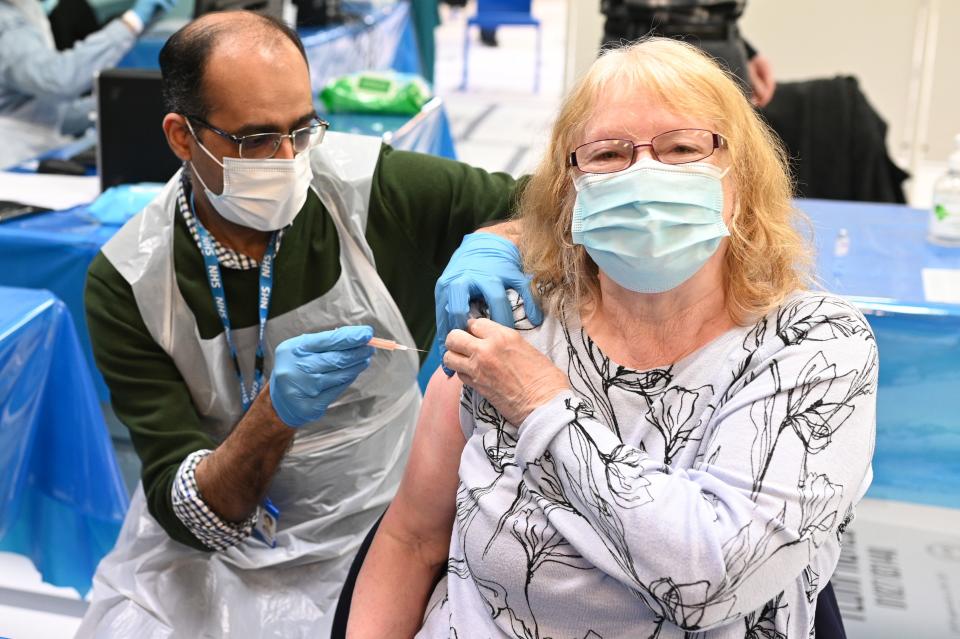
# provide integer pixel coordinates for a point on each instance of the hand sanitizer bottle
(944, 227)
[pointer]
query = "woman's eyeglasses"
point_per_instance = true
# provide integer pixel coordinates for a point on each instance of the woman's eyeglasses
(672, 147)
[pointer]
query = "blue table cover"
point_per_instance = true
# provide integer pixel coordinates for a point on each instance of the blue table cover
(918, 404)
(372, 39)
(52, 251)
(62, 498)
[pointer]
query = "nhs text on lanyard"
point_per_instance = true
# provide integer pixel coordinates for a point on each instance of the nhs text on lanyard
(220, 301)
(269, 515)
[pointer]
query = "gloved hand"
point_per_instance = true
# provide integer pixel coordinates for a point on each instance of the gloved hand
(150, 10)
(310, 371)
(484, 266)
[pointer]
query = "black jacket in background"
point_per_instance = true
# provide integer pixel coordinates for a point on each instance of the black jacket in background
(836, 141)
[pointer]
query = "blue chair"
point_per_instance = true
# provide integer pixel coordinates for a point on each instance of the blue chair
(502, 13)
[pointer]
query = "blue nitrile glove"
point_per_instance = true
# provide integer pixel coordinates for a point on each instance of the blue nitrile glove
(484, 267)
(310, 371)
(150, 10)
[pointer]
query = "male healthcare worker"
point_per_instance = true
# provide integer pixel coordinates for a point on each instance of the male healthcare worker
(230, 319)
(42, 89)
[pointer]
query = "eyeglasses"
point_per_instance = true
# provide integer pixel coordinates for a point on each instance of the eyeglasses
(672, 147)
(262, 146)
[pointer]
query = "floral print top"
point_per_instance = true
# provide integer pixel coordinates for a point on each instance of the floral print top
(704, 499)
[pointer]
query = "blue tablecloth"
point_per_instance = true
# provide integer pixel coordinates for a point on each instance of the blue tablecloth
(372, 39)
(53, 250)
(62, 498)
(918, 404)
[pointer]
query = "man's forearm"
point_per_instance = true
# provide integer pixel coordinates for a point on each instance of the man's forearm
(234, 478)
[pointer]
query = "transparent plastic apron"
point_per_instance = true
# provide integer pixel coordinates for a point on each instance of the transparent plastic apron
(332, 485)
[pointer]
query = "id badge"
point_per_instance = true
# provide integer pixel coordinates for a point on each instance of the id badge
(266, 527)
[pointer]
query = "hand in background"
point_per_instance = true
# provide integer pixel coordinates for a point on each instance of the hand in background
(761, 80)
(150, 10)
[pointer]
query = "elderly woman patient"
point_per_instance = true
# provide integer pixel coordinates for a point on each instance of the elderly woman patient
(677, 449)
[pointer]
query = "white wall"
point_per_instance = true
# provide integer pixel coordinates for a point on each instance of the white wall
(584, 32)
(870, 39)
(882, 43)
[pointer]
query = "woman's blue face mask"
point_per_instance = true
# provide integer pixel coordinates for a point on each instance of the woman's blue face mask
(652, 226)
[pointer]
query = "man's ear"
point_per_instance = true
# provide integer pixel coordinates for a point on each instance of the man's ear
(178, 135)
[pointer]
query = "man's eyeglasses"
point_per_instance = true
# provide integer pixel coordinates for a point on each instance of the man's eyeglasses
(262, 146)
(672, 147)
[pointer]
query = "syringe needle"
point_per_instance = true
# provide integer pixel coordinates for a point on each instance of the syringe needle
(390, 345)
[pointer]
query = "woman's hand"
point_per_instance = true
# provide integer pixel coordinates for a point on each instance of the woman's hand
(500, 365)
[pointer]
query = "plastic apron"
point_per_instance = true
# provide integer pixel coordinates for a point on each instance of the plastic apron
(33, 128)
(332, 485)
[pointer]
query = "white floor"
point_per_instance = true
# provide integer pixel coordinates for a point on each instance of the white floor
(498, 122)
(31, 609)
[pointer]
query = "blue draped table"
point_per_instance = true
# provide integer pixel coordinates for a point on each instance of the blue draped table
(62, 498)
(917, 457)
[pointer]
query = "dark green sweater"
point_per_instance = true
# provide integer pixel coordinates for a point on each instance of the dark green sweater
(420, 208)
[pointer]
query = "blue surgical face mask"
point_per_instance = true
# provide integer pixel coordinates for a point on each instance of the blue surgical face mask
(652, 226)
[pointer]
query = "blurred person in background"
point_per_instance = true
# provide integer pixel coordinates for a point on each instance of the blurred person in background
(43, 91)
(708, 24)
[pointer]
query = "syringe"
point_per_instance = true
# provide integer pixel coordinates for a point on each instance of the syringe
(390, 345)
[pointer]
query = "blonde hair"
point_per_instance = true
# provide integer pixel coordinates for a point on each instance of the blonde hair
(767, 257)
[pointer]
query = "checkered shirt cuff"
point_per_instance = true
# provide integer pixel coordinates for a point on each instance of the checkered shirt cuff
(189, 507)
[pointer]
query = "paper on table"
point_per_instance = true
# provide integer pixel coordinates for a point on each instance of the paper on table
(898, 572)
(941, 285)
(55, 192)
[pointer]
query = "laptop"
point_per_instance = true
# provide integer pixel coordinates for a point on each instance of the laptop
(131, 146)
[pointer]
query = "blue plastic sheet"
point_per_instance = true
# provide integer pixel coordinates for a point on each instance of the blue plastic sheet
(888, 249)
(119, 203)
(370, 42)
(52, 251)
(918, 408)
(373, 39)
(427, 132)
(918, 404)
(62, 498)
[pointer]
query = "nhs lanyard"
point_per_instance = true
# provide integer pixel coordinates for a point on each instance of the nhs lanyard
(220, 301)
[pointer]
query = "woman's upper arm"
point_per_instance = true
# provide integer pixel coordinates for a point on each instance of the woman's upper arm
(424, 507)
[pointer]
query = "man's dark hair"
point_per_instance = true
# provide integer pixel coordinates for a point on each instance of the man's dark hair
(184, 57)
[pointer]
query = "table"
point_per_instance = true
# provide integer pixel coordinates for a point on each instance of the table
(917, 458)
(53, 251)
(372, 39)
(50, 510)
